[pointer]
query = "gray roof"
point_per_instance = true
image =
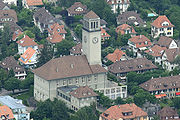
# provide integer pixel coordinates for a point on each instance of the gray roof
(123, 18)
(68, 89)
(11, 102)
(3, 5)
(43, 16)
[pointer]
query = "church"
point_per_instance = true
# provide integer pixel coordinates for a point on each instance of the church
(83, 70)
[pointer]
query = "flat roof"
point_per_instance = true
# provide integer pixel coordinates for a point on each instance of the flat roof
(68, 89)
(11, 102)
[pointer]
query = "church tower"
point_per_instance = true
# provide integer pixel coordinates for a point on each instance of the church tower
(91, 38)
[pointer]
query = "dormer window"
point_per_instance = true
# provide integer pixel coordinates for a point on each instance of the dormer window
(58, 30)
(165, 23)
(5, 14)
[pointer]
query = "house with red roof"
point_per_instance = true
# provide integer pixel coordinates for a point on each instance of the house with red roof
(16, 34)
(124, 112)
(117, 55)
(6, 113)
(162, 27)
(139, 42)
(29, 58)
(83, 95)
(122, 4)
(125, 29)
(104, 35)
(32, 4)
(156, 51)
(26, 42)
(56, 33)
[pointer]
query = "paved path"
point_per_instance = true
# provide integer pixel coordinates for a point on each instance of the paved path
(5, 92)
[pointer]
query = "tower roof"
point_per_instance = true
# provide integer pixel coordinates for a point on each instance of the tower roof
(91, 15)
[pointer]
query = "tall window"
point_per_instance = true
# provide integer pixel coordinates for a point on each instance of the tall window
(96, 24)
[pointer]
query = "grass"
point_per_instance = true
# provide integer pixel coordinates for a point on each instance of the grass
(24, 97)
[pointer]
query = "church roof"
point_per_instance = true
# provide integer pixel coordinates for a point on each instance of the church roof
(91, 15)
(67, 66)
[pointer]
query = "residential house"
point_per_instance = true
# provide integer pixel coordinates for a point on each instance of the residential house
(81, 70)
(9, 63)
(167, 87)
(156, 51)
(77, 97)
(167, 42)
(6, 113)
(104, 35)
(117, 55)
(16, 34)
(14, 27)
(26, 42)
(138, 65)
(167, 113)
(121, 5)
(139, 42)
(76, 50)
(168, 57)
(77, 9)
(124, 112)
(130, 18)
(162, 27)
(126, 29)
(29, 58)
(32, 4)
(3, 6)
(7, 16)
(18, 109)
(103, 23)
(10, 2)
(43, 19)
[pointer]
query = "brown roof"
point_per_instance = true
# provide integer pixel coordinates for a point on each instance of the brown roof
(167, 112)
(156, 50)
(6, 112)
(72, 9)
(91, 15)
(118, 112)
(8, 14)
(158, 22)
(67, 66)
(111, 2)
(137, 64)
(34, 2)
(11, 63)
(172, 54)
(115, 56)
(124, 27)
(161, 83)
(26, 41)
(83, 92)
(3, 5)
(165, 41)
(76, 49)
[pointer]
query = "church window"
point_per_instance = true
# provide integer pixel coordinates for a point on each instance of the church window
(64, 82)
(89, 79)
(91, 25)
(83, 80)
(96, 24)
(70, 81)
(95, 78)
(77, 81)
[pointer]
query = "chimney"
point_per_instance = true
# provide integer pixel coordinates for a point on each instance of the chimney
(140, 36)
(152, 77)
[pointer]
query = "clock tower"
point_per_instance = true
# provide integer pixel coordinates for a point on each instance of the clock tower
(91, 38)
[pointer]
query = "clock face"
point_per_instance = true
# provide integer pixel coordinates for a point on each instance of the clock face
(95, 40)
(85, 39)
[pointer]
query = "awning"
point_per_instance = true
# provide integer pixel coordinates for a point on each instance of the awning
(178, 93)
(160, 95)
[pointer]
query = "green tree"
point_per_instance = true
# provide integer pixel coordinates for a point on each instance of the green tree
(46, 54)
(119, 101)
(177, 61)
(12, 84)
(11, 73)
(78, 30)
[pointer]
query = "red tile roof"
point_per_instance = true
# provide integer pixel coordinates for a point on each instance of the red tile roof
(118, 112)
(56, 28)
(55, 38)
(27, 55)
(26, 41)
(140, 41)
(158, 22)
(34, 2)
(83, 92)
(16, 34)
(124, 27)
(7, 112)
(156, 50)
(104, 34)
(115, 56)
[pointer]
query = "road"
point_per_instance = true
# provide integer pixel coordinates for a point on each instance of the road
(4, 92)
(73, 34)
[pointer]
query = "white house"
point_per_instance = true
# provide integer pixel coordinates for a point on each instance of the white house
(167, 42)
(29, 58)
(122, 5)
(11, 2)
(18, 109)
(32, 4)
(161, 27)
(26, 42)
